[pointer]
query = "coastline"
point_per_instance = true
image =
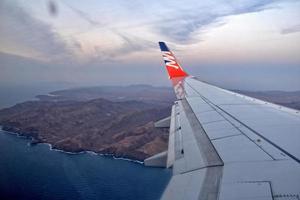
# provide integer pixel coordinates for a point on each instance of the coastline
(35, 142)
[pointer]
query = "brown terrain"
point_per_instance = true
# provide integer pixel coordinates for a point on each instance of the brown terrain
(110, 120)
(81, 119)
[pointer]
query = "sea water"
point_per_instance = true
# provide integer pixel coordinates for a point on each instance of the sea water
(37, 172)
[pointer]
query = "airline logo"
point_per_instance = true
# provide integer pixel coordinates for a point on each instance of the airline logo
(170, 60)
(173, 67)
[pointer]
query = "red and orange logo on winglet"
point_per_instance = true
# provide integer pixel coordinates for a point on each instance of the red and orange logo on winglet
(173, 67)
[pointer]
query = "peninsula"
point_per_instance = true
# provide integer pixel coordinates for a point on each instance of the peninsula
(110, 120)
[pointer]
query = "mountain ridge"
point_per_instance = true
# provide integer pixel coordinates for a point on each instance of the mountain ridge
(97, 119)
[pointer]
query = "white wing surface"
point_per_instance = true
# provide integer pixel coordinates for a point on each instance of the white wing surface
(227, 146)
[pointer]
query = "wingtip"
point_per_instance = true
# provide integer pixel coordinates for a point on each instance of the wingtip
(172, 65)
(163, 46)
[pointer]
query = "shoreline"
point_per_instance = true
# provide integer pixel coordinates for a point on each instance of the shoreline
(30, 144)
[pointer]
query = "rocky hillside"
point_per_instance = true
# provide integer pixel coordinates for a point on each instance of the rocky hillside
(112, 120)
(124, 129)
(107, 119)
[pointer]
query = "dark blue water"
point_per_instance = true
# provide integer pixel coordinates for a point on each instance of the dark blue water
(36, 172)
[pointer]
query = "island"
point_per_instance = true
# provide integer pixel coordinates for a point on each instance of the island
(116, 121)
(110, 120)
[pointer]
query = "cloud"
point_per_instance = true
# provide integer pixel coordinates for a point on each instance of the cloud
(133, 26)
(129, 44)
(22, 34)
(175, 22)
(84, 16)
(292, 29)
(187, 20)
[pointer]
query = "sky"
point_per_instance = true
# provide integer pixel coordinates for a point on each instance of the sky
(236, 44)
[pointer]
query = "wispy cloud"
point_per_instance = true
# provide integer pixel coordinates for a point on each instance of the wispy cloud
(199, 15)
(102, 38)
(134, 43)
(292, 29)
(132, 26)
(129, 44)
(173, 21)
(83, 15)
(20, 30)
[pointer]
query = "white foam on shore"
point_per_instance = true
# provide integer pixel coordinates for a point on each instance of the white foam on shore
(93, 153)
(119, 158)
(59, 150)
(52, 95)
(72, 153)
(127, 159)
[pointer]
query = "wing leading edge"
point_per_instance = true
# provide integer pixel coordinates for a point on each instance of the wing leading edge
(223, 145)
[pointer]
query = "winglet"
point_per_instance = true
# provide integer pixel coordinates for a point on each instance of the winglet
(173, 67)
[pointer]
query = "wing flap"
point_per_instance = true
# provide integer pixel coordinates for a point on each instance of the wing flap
(278, 127)
(199, 184)
(225, 145)
(249, 190)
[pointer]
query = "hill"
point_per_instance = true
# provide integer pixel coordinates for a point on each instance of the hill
(110, 120)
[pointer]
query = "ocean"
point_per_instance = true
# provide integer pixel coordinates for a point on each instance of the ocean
(37, 172)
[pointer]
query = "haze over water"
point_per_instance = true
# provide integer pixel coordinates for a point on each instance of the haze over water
(36, 172)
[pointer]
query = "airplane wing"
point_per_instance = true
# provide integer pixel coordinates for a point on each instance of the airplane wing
(227, 146)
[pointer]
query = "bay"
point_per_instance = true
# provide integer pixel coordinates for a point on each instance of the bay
(36, 172)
